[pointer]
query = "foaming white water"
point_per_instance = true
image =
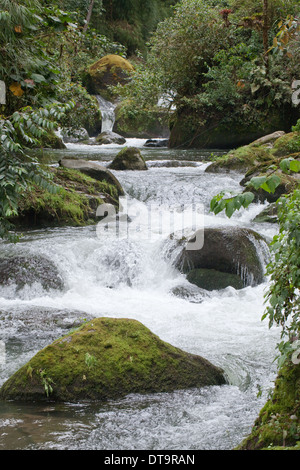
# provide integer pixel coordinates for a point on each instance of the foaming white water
(135, 278)
(103, 148)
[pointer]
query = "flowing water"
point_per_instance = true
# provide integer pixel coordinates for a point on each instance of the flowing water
(134, 277)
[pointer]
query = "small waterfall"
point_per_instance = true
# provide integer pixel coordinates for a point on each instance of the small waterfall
(108, 114)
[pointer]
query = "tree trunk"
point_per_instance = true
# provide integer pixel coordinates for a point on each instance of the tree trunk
(88, 17)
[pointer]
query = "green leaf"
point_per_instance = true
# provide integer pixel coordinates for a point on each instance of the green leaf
(271, 184)
(295, 166)
(257, 181)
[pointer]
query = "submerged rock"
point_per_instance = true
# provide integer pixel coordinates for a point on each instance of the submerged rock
(130, 158)
(21, 271)
(231, 250)
(108, 358)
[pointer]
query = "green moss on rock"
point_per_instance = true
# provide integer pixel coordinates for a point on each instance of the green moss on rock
(278, 424)
(287, 144)
(106, 72)
(75, 203)
(108, 358)
(129, 158)
(242, 159)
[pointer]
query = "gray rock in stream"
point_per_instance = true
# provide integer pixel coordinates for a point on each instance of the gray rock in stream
(18, 272)
(231, 250)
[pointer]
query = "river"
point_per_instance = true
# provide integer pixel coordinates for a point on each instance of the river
(135, 278)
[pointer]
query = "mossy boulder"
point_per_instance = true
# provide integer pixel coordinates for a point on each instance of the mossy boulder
(129, 158)
(287, 144)
(260, 153)
(241, 160)
(108, 71)
(108, 358)
(278, 423)
(210, 279)
(231, 250)
(74, 203)
(95, 171)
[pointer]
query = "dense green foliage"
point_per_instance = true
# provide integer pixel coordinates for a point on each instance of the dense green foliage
(209, 59)
(283, 296)
(128, 22)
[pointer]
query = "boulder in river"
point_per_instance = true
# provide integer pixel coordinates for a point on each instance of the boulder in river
(74, 136)
(130, 158)
(26, 270)
(108, 358)
(98, 172)
(231, 250)
(108, 137)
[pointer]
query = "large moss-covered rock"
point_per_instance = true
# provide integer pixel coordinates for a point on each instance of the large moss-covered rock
(108, 358)
(108, 71)
(129, 158)
(231, 250)
(93, 170)
(278, 424)
(242, 159)
(287, 144)
(75, 203)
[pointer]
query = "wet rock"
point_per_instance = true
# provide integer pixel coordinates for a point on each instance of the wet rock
(109, 137)
(210, 279)
(156, 143)
(21, 271)
(98, 172)
(108, 358)
(73, 136)
(269, 214)
(231, 250)
(130, 158)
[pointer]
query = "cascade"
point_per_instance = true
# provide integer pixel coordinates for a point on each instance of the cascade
(108, 114)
